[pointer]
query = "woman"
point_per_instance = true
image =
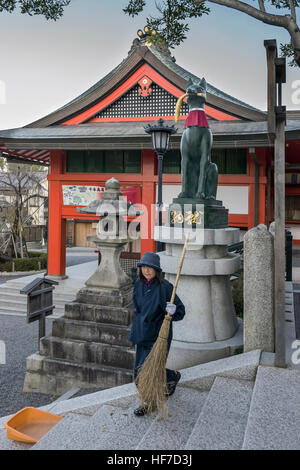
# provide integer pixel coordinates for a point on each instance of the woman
(151, 296)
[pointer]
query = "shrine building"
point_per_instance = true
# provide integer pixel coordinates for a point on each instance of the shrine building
(101, 134)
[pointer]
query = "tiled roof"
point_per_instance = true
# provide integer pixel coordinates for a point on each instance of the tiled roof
(165, 58)
(172, 65)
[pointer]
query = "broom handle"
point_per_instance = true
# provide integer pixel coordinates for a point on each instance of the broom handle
(179, 268)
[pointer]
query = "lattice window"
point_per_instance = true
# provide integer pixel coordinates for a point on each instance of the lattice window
(132, 104)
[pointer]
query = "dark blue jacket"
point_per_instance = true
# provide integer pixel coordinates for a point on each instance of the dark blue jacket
(150, 310)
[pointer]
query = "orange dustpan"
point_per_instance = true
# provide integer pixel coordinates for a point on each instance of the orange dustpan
(30, 424)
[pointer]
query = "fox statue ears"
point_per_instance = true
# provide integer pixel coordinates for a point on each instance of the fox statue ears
(200, 83)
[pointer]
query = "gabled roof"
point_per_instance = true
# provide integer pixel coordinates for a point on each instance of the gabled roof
(36, 283)
(161, 63)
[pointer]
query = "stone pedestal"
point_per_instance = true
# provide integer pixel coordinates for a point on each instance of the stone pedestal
(109, 273)
(204, 288)
(88, 346)
(208, 213)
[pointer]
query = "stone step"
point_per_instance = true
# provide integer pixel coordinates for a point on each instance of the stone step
(12, 289)
(223, 419)
(19, 310)
(110, 428)
(8, 444)
(57, 313)
(61, 435)
(14, 294)
(99, 314)
(56, 376)
(83, 352)
(183, 411)
(274, 416)
(91, 331)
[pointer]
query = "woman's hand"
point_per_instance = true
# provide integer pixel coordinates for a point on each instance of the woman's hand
(170, 308)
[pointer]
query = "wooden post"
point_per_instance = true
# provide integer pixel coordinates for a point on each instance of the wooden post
(276, 129)
(271, 48)
(279, 242)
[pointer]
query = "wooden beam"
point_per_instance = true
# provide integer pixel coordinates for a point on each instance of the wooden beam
(271, 48)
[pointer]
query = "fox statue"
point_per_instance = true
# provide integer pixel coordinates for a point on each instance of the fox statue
(199, 173)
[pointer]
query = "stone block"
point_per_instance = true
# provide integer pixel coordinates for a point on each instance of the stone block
(259, 327)
(57, 376)
(100, 314)
(91, 331)
(110, 297)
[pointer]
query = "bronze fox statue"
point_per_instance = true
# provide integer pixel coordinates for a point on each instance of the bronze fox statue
(199, 174)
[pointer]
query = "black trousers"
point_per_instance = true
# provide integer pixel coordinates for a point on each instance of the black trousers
(142, 352)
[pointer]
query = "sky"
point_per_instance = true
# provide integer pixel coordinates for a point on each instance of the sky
(45, 64)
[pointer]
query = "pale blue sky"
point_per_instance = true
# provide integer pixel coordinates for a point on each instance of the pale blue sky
(46, 64)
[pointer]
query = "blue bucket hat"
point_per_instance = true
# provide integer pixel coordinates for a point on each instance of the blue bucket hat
(150, 259)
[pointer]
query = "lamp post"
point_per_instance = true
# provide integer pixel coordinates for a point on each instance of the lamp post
(160, 142)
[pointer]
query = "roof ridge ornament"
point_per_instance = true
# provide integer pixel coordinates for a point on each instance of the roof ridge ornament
(144, 39)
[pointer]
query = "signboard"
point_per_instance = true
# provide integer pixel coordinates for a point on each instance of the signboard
(83, 195)
(79, 195)
(39, 301)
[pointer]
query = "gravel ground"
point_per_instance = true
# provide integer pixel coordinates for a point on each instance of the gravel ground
(21, 340)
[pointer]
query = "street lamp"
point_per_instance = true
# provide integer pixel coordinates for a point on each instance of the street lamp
(160, 142)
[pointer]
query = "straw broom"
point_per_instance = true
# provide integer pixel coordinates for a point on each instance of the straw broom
(152, 378)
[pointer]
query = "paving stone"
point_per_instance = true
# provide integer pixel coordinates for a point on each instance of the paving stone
(183, 411)
(60, 436)
(7, 444)
(274, 416)
(110, 428)
(223, 419)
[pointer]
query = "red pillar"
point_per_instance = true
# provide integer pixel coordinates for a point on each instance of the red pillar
(148, 200)
(57, 225)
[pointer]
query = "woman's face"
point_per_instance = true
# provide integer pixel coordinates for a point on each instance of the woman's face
(148, 273)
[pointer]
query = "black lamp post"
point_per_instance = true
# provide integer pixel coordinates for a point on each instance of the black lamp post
(160, 142)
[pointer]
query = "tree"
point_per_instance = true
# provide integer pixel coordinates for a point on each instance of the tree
(51, 9)
(171, 25)
(21, 183)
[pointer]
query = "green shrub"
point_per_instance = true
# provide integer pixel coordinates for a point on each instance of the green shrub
(26, 264)
(238, 295)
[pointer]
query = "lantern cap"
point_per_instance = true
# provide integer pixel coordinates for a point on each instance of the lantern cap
(160, 127)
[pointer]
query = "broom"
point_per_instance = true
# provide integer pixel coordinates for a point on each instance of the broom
(152, 378)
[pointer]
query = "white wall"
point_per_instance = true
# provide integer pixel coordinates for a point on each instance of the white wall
(295, 229)
(235, 198)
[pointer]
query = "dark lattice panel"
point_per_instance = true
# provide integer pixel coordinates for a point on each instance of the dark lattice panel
(132, 104)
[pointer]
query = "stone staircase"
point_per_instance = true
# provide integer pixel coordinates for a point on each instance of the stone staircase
(11, 301)
(233, 403)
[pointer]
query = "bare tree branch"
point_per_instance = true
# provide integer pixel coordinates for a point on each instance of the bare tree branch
(261, 5)
(287, 22)
(293, 9)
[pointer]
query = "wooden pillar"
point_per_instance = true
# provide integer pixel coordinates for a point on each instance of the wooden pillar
(276, 130)
(57, 225)
(279, 243)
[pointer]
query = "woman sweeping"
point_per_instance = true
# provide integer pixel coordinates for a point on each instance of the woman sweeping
(151, 297)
